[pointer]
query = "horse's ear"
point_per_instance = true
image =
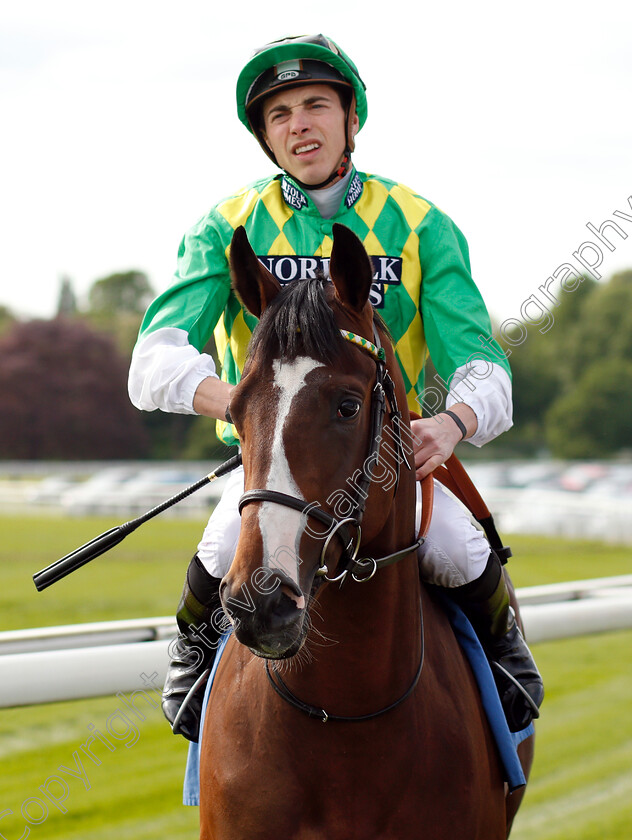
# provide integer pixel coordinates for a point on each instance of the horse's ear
(252, 281)
(350, 268)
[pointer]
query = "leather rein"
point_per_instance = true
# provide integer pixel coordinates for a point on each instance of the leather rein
(361, 569)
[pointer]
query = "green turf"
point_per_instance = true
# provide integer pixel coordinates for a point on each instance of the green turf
(540, 560)
(135, 792)
(581, 786)
(142, 576)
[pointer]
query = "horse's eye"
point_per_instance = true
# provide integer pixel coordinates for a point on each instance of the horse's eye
(348, 409)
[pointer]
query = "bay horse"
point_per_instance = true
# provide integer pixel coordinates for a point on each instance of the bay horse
(342, 707)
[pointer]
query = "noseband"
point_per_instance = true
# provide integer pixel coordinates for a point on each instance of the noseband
(361, 569)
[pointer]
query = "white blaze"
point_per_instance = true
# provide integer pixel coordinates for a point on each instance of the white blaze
(281, 527)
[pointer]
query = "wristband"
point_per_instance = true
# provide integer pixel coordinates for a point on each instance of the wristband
(458, 422)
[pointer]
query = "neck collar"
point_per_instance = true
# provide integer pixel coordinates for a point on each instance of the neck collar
(298, 198)
(328, 200)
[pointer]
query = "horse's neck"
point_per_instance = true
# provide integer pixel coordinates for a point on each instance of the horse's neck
(379, 613)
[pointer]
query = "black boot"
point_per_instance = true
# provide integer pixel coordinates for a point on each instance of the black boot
(201, 624)
(485, 601)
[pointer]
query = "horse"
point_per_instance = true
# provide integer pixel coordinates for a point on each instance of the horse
(342, 707)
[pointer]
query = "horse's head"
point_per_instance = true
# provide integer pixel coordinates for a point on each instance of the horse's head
(305, 412)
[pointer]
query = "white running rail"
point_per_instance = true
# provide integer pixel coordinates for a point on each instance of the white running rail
(49, 664)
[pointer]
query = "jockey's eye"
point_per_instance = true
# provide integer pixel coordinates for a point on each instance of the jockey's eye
(348, 409)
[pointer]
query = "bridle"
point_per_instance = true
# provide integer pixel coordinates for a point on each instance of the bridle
(361, 569)
(383, 398)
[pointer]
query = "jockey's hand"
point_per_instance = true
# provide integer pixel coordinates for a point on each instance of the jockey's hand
(436, 438)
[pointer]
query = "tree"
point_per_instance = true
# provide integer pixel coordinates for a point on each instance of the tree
(592, 327)
(603, 327)
(63, 393)
(535, 378)
(67, 302)
(129, 291)
(592, 419)
(7, 319)
(116, 307)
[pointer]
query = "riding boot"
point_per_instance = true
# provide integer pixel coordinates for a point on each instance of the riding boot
(201, 624)
(486, 603)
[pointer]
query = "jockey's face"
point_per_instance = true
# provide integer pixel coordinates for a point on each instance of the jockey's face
(305, 129)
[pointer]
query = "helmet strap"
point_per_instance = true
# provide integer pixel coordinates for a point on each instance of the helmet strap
(339, 172)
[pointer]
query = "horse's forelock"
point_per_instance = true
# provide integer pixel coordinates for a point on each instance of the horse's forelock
(300, 321)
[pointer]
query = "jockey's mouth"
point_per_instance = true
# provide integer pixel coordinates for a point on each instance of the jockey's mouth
(305, 148)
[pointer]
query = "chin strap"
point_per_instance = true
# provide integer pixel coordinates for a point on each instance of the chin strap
(339, 172)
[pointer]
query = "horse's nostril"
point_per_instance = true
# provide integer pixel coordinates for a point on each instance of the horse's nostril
(280, 614)
(284, 606)
(299, 600)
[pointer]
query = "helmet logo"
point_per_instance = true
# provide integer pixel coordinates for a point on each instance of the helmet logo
(287, 70)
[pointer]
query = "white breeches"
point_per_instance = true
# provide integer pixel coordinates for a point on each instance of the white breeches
(455, 551)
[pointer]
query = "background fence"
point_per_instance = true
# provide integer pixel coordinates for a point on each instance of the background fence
(49, 664)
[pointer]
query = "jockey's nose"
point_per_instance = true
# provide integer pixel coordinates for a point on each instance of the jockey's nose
(299, 122)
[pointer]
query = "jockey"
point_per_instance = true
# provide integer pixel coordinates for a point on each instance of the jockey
(304, 101)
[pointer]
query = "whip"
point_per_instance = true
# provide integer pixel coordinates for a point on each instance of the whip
(104, 542)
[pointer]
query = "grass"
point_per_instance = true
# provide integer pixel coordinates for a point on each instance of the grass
(135, 791)
(140, 577)
(581, 785)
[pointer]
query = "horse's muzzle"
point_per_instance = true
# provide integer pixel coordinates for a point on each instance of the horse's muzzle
(269, 617)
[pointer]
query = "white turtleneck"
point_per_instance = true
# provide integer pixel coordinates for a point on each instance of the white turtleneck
(328, 199)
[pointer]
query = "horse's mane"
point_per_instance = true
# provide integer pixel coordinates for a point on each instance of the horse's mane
(300, 320)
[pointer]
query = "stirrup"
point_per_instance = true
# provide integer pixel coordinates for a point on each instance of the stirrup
(525, 694)
(175, 726)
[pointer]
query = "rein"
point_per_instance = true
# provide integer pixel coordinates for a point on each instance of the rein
(314, 712)
(361, 569)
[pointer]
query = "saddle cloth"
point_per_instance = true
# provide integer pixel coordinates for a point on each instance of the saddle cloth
(507, 742)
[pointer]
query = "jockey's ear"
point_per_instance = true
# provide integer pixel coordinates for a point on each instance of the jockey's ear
(350, 268)
(252, 281)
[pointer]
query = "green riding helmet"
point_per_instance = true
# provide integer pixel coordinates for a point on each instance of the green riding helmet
(310, 59)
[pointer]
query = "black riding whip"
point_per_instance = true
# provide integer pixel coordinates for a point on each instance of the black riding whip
(104, 542)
